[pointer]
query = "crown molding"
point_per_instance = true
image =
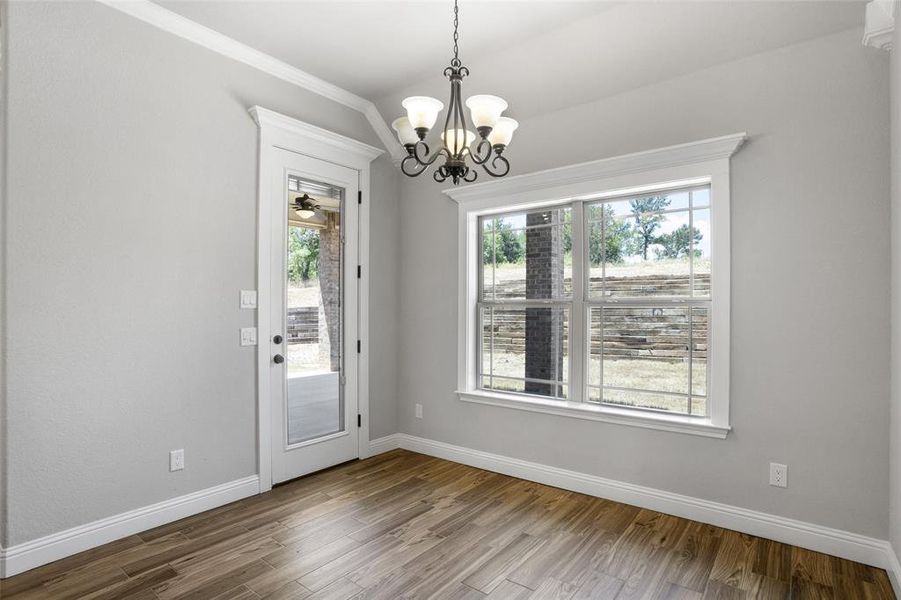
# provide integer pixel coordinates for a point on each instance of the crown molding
(662, 158)
(879, 24)
(173, 23)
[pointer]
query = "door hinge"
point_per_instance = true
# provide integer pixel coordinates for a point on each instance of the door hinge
(359, 271)
(359, 420)
(359, 196)
(359, 346)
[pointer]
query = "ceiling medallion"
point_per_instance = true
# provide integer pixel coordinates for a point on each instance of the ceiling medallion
(494, 131)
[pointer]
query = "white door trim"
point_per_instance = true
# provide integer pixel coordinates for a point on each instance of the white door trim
(278, 131)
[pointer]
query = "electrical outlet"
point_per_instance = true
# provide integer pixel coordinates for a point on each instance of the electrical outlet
(177, 460)
(778, 475)
(419, 411)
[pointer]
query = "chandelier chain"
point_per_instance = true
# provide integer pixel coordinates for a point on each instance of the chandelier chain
(456, 61)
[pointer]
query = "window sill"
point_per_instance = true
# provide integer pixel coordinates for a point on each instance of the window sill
(592, 412)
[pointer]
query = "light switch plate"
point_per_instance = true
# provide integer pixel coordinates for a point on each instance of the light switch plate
(249, 336)
(248, 298)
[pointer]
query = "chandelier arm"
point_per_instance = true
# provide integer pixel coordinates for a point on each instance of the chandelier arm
(425, 160)
(441, 174)
(492, 169)
(412, 172)
(482, 153)
(449, 110)
(459, 107)
(455, 102)
(471, 176)
(421, 163)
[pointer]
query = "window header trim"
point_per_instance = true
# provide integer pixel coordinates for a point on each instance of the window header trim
(571, 176)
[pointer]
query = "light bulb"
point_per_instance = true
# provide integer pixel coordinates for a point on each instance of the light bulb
(486, 109)
(457, 140)
(405, 132)
(422, 111)
(502, 132)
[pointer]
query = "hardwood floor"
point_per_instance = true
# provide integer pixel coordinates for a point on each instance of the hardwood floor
(404, 525)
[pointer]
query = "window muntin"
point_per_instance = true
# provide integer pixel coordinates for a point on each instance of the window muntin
(644, 314)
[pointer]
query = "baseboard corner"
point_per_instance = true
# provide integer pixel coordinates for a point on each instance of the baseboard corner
(384, 444)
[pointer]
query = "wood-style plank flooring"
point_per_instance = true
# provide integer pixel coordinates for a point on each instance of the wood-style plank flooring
(404, 525)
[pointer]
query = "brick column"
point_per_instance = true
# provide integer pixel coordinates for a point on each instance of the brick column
(330, 291)
(544, 326)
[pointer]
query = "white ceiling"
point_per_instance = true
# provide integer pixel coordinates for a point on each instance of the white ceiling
(540, 55)
(374, 47)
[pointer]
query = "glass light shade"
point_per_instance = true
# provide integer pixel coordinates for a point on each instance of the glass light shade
(405, 132)
(486, 109)
(455, 138)
(503, 131)
(422, 111)
(305, 213)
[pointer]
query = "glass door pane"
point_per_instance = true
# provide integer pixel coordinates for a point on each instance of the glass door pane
(314, 315)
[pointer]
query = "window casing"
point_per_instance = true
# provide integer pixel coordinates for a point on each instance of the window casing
(638, 331)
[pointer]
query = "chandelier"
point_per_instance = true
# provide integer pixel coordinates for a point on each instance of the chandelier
(494, 131)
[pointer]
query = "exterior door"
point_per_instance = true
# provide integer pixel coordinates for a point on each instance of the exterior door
(315, 318)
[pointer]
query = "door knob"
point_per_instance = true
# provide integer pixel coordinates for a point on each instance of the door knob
(278, 359)
(276, 339)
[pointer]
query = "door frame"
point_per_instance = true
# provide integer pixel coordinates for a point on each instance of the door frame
(277, 131)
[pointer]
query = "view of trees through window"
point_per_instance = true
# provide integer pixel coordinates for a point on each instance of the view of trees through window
(647, 283)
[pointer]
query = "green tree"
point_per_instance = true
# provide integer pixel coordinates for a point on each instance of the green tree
(509, 246)
(647, 221)
(677, 243)
(303, 254)
(617, 235)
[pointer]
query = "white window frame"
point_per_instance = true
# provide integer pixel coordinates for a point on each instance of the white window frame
(706, 162)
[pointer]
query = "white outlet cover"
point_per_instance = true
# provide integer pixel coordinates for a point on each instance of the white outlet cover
(249, 336)
(419, 411)
(177, 460)
(248, 299)
(778, 475)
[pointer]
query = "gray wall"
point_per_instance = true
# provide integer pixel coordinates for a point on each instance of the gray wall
(384, 258)
(122, 291)
(3, 154)
(895, 452)
(810, 260)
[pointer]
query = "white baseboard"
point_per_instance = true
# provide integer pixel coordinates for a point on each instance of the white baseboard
(871, 551)
(23, 557)
(844, 544)
(384, 444)
(894, 571)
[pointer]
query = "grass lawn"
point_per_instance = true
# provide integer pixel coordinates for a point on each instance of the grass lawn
(637, 373)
